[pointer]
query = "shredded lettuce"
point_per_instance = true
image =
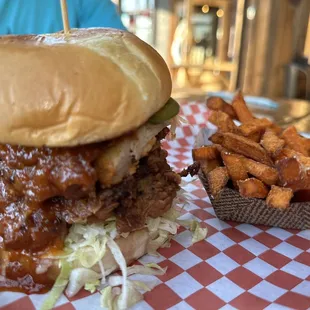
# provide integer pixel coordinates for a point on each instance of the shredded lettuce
(102, 270)
(79, 277)
(167, 244)
(176, 122)
(155, 266)
(141, 285)
(161, 230)
(111, 229)
(181, 200)
(129, 295)
(199, 233)
(157, 242)
(115, 281)
(111, 296)
(169, 226)
(59, 286)
(153, 224)
(134, 296)
(120, 259)
(106, 299)
(172, 215)
(149, 269)
(87, 243)
(113, 301)
(92, 286)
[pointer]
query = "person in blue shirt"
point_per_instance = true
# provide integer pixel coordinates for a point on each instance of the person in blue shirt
(44, 16)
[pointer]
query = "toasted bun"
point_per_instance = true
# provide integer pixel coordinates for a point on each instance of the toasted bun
(90, 86)
(132, 247)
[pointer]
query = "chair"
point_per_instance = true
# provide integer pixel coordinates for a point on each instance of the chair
(291, 82)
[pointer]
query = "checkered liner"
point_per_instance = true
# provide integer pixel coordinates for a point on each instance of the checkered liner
(238, 266)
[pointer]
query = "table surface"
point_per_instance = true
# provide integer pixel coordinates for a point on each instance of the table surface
(287, 109)
(238, 266)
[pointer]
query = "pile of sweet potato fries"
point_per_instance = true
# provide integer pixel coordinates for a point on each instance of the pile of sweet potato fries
(261, 159)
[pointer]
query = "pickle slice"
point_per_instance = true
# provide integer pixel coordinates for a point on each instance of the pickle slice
(168, 111)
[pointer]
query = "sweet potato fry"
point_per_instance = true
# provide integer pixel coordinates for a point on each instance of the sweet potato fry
(279, 197)
(256, 125)
(218, 104)
(208, 157)
(295, 141)
(272, 143)
(276, 129)
(254, 129)
(235, 167)
(255, 136)
(205, 153)
(290, 171)
(289, 153)
(220, 148)
(264, 173)
(252, 188)
(217, 180)
(293, 174)
(243, 113)
(217, 138)
(246, 147)
(222, 120)
(249, 129)
(208, 165)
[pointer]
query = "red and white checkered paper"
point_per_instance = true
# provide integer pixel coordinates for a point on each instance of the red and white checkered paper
(238, 266)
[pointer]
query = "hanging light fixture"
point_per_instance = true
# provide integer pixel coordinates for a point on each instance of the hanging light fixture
(205, 9)
(220, 13)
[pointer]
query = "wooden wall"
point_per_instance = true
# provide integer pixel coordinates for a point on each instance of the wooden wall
(270, 41)
(307, 44)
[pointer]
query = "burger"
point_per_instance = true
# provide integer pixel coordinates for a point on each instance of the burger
(85, 185)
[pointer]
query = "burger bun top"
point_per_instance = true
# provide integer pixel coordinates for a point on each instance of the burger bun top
(91, 85)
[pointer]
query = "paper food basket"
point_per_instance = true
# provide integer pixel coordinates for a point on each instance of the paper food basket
(229, 205)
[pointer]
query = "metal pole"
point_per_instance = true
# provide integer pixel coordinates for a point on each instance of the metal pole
(237, 44)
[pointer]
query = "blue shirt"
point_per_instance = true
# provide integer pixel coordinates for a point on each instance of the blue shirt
(44, 16)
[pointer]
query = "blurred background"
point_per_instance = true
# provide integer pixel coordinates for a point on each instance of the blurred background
(259, 46)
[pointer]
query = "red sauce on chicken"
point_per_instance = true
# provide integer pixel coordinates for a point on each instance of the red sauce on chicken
(29, 179)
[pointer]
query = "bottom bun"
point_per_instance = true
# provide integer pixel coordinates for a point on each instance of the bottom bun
(132, 247)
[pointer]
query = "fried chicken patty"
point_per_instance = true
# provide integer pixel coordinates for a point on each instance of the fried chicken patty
(45, 190)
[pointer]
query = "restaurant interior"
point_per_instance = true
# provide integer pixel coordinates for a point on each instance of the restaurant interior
(218, 46)
(122, 190)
